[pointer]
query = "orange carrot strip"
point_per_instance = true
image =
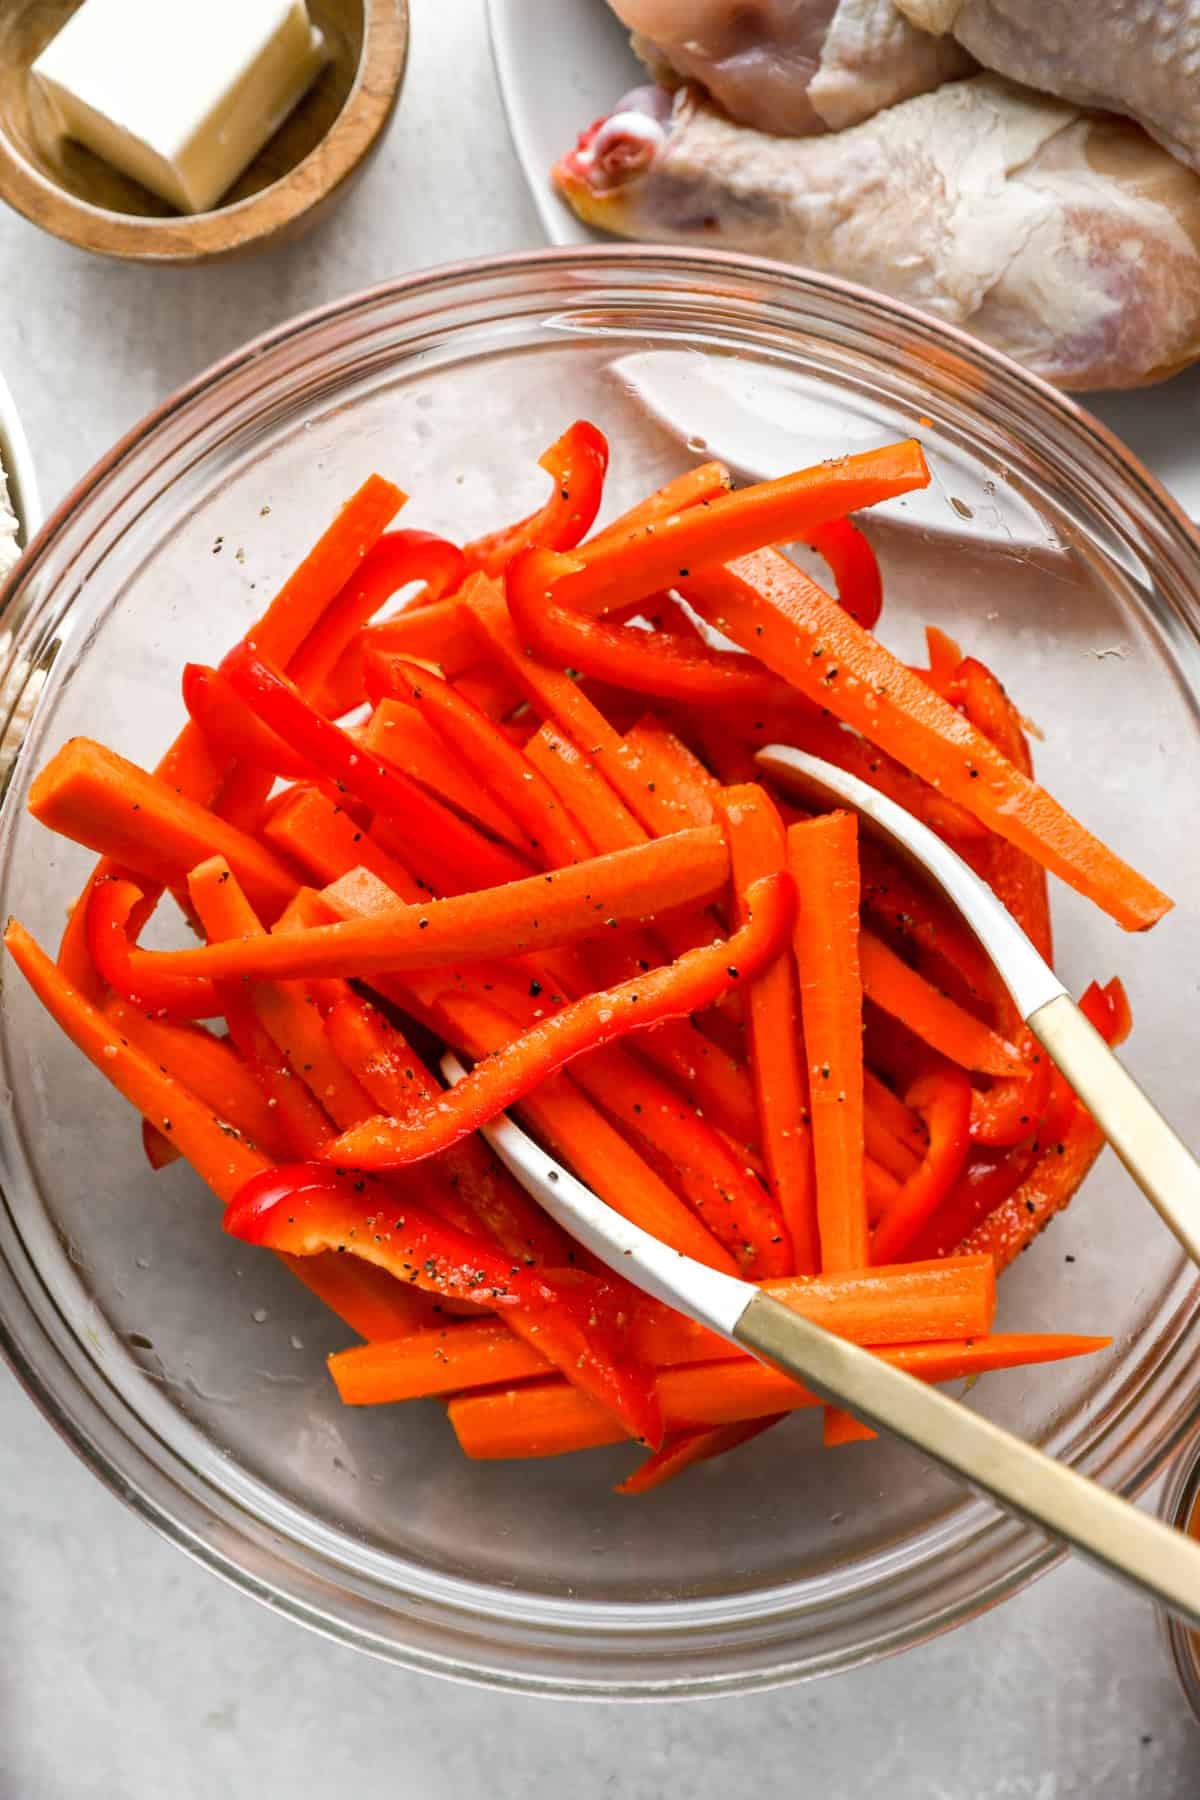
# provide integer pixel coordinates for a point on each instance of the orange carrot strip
(881, 1188)
(679, 789)
(210, 1067)
(705, 482)
(95, 797)
(503, 770)
(547, 1418)
(322, 838)
(710, 1176)
(917, 1303)
(215, 1150)
(687, 985)
(842, 1427)
(1017, 880)
(757, 845)
(659, 553)
(933, 1016)
(823, 857)
(603, 816)
(536, 913)
(400, 735)
(688, 1448)
(868, 688)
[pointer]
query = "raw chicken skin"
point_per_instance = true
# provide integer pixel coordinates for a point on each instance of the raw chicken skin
(794, 67)
(1139, 57)
(1070, 241)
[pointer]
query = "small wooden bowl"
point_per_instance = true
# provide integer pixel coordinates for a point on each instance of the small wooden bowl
(295, 177)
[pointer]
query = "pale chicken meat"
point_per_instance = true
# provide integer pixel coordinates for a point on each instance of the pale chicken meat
(1070, 240)
(795, 67)
(1138, 57)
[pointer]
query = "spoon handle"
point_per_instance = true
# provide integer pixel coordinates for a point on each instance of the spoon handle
(1159, 1161)
(1100, 1525)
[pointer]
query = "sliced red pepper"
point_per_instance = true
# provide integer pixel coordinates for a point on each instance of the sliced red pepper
(943, 1098)
(1011, 1109)
(302, 1210)
(649, 662)
(111, 903)
(431, 829)
(984, 1184)
(400, 557)
(854, 568)
(694, 981)
(577, 465)
(231, 728)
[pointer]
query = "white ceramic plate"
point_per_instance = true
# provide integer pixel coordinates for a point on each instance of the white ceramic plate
(562, 63)
(18, 466)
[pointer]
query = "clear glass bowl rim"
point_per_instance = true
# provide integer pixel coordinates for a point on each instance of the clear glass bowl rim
(593, 1650)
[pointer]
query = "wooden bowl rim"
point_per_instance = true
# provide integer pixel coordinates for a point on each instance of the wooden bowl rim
(194, 236)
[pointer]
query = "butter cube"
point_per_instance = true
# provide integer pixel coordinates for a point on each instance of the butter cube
(180, 94)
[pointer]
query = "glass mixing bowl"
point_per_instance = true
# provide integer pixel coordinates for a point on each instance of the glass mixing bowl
(188, 1369)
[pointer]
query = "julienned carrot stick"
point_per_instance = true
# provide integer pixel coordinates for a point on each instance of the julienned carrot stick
(398, 1081)
(369, 1300)
(555, 696)
(320, 837)
(843, 1428)
(224, 910)
(765, 603)
(212, 1145)
(548, 1418)
(881, 1188)
(660, 553)
(210, 1067)
(189, 767)
(400, 735)
(92, 795)
(706, 481)
(921, 1303)
(603, 816)
(933, 1016)
(552, 836)
(1015, 877)
(710, 1176)
(679, 789)
(758, 844)
(533, 914)
(823, 857)
(694, 981)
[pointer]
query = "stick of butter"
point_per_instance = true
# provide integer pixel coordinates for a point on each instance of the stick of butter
(180, 94)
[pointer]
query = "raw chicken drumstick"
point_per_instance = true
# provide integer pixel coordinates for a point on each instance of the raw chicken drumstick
(1069, 240)
(792, 66)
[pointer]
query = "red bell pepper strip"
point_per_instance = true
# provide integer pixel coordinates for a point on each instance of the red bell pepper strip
(1011, 1110)
(553, 836)
(176, 997)
(231, 728)
(577, 465)
(854, 567)
(302, 1210)
(399, 557)
(769, 606)
(694, 981)
(985, 1183)
(661, 553)
(945, 657)
(943, 1098)
(648, 662)
(418, 818)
